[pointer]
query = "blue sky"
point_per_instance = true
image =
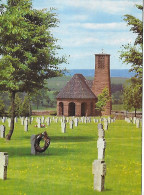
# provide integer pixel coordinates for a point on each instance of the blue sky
(88, 26)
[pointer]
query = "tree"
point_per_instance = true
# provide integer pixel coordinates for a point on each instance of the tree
(2, 108)
(103, 99)
(132, 54)
(132, 96)
(28, 49)
(18, 105)
(26, 107)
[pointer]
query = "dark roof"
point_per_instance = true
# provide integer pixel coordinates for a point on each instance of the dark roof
(76, 88)
(89, 83)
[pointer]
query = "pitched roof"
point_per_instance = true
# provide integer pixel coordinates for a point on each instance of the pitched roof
(89, 83)
(76, 88)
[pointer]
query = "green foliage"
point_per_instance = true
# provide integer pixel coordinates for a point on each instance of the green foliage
(18, 105)
(103, 98)
(26, 107)
(2, 108)
(132, 54)
(132, 96)
(28, 49)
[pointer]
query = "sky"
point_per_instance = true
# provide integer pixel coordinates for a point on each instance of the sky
(88, 26)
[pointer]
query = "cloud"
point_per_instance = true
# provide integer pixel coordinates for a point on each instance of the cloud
(101, 26)
(108, 6)
(112, 39)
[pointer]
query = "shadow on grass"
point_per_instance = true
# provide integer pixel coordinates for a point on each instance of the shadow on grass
(26, 152)
(71, 138)
(64, 138)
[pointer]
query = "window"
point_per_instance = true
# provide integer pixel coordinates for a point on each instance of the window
(101, 62)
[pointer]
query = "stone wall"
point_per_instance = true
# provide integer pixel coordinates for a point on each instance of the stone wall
(89, 109)
(123, 114)
(42, 112)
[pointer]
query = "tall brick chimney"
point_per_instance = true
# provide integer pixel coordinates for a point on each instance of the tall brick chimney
(102, 78)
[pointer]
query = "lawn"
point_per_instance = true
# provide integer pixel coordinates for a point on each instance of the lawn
(66, 167)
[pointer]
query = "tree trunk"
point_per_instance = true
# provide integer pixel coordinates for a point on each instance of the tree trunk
(8, 136)
(135, 112)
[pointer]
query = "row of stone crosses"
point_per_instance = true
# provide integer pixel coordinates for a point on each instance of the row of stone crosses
(133, 120)
(73, 121)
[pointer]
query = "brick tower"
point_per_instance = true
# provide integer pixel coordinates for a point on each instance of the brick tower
(102, 78)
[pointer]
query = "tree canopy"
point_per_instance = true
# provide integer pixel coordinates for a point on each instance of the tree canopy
(132, 96)
(29, 53)
(132, 53)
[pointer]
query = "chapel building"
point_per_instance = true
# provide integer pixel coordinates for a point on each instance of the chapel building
(79, 96)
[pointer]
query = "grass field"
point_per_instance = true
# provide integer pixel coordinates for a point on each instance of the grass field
(66, 167)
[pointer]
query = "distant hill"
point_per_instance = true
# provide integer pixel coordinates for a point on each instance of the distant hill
(57, 83)
(90, 72)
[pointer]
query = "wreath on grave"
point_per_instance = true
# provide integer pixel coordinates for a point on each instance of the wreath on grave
(42, 136)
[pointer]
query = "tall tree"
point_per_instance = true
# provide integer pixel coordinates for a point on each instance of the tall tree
(132, 53)
(132, 96)
(28, 49)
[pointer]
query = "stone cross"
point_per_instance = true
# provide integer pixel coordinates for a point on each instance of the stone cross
(56, 120)
(16, 120)
(3, 165)
(137, 123)
(99, 172)
(39, 123)
(99, 166)
(134, 120)
(48, 121)
(101, 143)
(43, 119)
(22, 121)
(63, 127)
(3, 119)
(85, 119)
(105, 124)
(9, 122)
(76, 122)
(71, 124)
(2, 131)
(33, 151)
(82, 119)
(109, 119)
(26, 125)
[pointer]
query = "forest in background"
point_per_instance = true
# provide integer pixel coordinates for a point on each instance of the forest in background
(45, 99)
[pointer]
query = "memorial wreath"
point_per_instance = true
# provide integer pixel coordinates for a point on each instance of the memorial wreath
(42, 136)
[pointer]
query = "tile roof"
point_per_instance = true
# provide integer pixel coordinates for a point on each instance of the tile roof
(77, 88)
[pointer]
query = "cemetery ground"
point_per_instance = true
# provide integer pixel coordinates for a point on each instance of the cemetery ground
(66, 166)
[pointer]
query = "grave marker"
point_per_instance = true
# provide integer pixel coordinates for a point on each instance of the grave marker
(2, 131)
(33, 151)
(3, 165)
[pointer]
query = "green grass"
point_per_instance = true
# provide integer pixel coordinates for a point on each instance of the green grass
(66, 167)
(43, 108)
(120, 107)
(117, 107)
(57, 83)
